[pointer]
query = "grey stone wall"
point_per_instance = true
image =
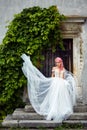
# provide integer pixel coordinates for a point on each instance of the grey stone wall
(67, 7)
(10, 7)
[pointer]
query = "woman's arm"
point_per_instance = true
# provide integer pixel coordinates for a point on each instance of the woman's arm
(53, 72)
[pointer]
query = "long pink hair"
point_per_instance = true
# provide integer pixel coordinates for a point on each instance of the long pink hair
(58, 59)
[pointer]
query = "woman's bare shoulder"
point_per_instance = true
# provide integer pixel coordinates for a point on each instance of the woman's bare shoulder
(53, 68)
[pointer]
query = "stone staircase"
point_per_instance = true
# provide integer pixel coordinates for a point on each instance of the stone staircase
(28, 118)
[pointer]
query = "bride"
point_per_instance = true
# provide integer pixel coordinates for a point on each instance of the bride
(52, 97)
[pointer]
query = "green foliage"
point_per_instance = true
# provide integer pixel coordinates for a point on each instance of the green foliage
(30, 32)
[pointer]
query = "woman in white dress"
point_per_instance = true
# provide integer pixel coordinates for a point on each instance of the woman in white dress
(52, 97)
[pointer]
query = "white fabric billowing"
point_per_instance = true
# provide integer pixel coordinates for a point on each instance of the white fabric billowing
(52, 97)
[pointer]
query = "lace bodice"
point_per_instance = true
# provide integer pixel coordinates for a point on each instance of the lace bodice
(57, 73)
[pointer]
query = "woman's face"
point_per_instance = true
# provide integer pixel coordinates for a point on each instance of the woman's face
(58, 64)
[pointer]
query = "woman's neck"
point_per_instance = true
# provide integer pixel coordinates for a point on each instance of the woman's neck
(59, 68)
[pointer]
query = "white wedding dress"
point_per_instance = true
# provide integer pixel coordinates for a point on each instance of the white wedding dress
(51, 97)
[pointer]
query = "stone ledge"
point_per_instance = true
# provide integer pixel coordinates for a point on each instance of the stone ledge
(42, 123)
(78, 108)
(35, 116)
(38, 123)
(76, 19)
(10, 123)
(82, 123)
(29, 108)
(78, 116)
(27, 116)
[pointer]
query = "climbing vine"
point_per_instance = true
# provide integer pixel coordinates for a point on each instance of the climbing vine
(30, 32)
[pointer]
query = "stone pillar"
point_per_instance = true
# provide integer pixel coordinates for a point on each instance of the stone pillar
(84, 81)
(84, 71)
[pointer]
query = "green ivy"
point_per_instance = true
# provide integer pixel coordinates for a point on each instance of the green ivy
(31, 31)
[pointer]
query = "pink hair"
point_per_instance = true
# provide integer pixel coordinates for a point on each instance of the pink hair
(58, 59)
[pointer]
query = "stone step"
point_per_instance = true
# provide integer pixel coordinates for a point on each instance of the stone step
(9, 122)
(78, 116)
(43, 123)
(75, 123)
(21, 114)
(29, 108)
(27, 116)
(43, 129)
(78, 108)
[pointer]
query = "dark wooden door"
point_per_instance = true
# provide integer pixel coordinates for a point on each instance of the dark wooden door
(66, 55)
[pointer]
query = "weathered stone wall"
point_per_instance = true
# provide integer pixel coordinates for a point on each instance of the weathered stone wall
(67, 7)
(10, 7)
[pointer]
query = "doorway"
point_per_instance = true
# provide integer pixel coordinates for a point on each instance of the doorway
(66, 55)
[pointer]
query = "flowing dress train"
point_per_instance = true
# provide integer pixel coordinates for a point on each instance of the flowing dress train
(51, 97)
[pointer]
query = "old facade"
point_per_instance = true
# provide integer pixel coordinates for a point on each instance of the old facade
(74, 28)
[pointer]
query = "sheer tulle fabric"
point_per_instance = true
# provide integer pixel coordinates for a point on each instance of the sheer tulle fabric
(52, 97)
